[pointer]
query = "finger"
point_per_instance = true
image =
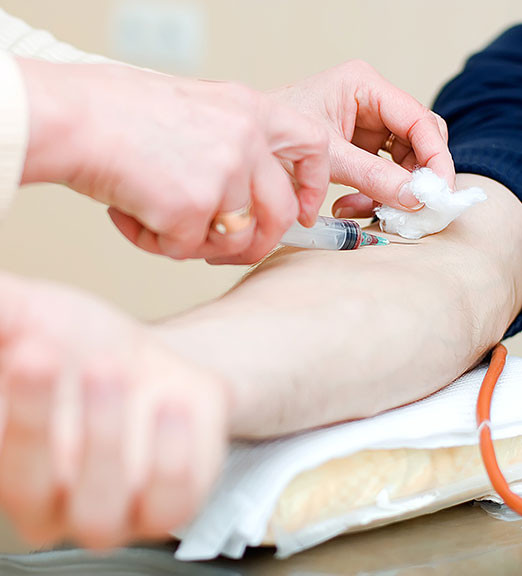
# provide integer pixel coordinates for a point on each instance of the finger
(184, 244)
(154, 243)
(370, 139)
(228, 245)
(235, 196)
(100, 497)
(403, 154)
(189, 235)
(296, 138)
(404, 116)
(227, 191)
(134, 231)
(275, 207)
(186, 448)
(312, 176)
(409, 162)
(399, 150)
(354, 206)
(376, 177)
(28, 488)
(166, 502)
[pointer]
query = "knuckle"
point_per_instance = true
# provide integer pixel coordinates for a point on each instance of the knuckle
(33, 367)
(246, 132)
(232, 159)
(362, 66)
(199, 204)
(241, 93)
(428, 117)
(163, 211)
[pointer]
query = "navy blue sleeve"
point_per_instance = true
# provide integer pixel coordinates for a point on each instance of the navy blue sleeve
(483, 109)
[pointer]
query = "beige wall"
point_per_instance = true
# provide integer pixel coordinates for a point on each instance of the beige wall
(417, 44)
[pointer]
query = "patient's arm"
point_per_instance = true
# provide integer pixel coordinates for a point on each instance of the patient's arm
(313, 337)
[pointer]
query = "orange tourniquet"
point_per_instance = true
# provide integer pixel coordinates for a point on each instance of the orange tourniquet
(498, 360)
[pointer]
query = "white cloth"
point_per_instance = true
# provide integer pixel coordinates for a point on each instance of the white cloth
(442, 206)
(255, 475)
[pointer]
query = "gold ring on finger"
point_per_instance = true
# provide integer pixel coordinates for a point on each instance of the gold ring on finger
(233, 221)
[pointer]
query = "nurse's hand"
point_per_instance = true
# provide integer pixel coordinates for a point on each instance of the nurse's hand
(168, 154)
(106, 436)
(360, 110)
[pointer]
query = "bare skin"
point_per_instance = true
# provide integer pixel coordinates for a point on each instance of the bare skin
(307, 339)
(166, 154)
(107, 435)
(311, 338)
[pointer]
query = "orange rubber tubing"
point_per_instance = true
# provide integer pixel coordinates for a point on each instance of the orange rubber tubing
(487, 449)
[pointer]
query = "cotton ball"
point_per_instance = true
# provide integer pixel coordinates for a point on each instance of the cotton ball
(441, 206)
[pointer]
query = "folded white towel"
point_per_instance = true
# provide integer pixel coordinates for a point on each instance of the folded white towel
(238, 512)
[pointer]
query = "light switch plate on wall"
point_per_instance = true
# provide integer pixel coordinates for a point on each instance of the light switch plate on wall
(166, 34)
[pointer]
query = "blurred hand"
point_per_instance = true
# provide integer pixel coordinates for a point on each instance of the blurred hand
(360, 110)
(106, 436)
(167, 154)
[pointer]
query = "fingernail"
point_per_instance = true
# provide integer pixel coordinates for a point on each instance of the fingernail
(408, 199)
(308, 215)
(347, 212)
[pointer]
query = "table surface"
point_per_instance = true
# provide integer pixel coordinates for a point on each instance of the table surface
(461, 540)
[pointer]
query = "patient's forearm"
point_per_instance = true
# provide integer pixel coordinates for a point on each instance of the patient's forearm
(310, 337)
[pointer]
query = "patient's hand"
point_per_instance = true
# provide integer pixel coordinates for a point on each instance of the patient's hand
(107, 436)
(312, 337)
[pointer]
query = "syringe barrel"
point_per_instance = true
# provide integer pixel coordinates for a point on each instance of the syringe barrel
(326, 234)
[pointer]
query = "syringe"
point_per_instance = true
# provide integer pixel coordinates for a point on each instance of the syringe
(331, 234)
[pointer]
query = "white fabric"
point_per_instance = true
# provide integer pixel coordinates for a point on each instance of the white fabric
(442, 206)
(238, 512)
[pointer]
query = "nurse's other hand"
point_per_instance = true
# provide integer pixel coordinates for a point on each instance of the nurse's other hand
(360, 109)
(167, 154)
(107, 437)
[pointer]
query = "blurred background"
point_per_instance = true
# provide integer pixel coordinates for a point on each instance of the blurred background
(56, 234)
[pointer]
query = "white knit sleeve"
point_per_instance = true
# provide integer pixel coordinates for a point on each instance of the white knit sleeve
(14, 129)
(20, 39)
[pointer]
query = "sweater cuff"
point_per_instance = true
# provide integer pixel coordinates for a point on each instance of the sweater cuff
(485, 157)
(14, 129)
